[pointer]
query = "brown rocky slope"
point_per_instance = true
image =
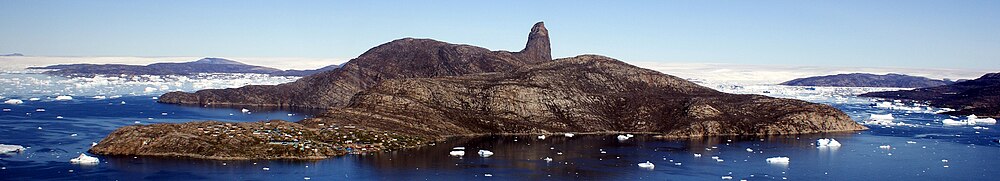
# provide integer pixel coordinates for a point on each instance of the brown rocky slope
(403, 58)
(462, 90)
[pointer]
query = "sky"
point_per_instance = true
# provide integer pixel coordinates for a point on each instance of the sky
(870, 33)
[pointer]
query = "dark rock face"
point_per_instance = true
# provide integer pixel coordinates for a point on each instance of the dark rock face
(867, 80)
(589, 94)
(980, 96)
(206, 65)
(403, 58)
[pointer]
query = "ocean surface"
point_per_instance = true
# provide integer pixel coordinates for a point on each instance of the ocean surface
(915, 145)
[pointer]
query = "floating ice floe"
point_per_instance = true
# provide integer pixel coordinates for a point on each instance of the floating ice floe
(697, 155)
(83, 159)
(911, 142)
(827, 143)
(749, 150)
(34, 99)
(245, 111)
(885, 147)
(541, 137)
(13, 101)
(969, 120)
(883, 120)
(778, 160)
(100, 97)
(547, 159)
(265, 168)
(64, 98)
(622, 137)
(457, 153)
(11, 148)
(40, 110)
(485, 153)
(569, 135)
(727, 177)
(646, 165)
(6, 110)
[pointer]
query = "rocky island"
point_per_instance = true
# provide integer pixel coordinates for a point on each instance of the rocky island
(412, 92)
(980, 96)
(867, 80)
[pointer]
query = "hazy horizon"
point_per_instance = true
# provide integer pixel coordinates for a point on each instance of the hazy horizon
(954, 35)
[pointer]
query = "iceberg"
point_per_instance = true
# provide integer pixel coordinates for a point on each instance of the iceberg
(485, 153)
(457, 153)
(749, 150)
(881, 117)
(976, 120)
(885, 147)
(100, 97)
(541, 137)
(646, 165)
(10, 148)
(778, 160)
(622, 137)
(83, 159)
(13, 101)
(697, 155)
(569, 135)
(824, 142)
(547, 159)
(883, 120)
(64, 98)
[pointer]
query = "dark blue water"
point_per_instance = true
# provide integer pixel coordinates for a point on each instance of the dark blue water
(970, 155)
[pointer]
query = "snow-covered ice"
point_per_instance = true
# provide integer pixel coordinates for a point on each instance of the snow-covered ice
(11, 148)
(646, 165)
(778, 160)
(485, 153)
(64, 98)
(13, 101)
(83, 159)
(830, 143)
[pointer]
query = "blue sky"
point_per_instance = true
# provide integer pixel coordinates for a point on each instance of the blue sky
(911, 33)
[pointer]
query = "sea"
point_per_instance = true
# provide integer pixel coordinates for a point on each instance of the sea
(59, 118)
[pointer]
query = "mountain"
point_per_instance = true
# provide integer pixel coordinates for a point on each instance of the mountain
(867, 80)
(418, 98)
(205, 65)
(980, 96)
(303, 73)
(402, 58)
(12, 55)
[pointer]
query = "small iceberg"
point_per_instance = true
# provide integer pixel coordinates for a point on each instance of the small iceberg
(457, 153)
(100, 97)
(569, 135)
(885, 147)
(541, 137)
(40, 110)
(83, 159)
(622, 137)
(64, 98)
(245, 111)
(11, 148)
(34, 99)
(749, 150)
(13, 101)
(547, 159)
(824, 142)
(697, 155)
(778, 160)
(6, 109)
(646, 165)
(485, 153)
(975, 119)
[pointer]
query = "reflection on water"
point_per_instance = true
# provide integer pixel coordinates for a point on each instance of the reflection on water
(916, 152)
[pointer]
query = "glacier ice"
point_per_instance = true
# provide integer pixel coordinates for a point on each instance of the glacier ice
(827, 143)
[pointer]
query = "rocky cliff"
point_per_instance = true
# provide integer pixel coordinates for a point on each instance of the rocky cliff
(980, 96)
(403, 58)
(867, 80)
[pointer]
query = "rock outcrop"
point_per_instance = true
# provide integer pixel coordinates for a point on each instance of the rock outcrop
(588, 94)
(410, 92)
(403, 58)
(867, 80)
(980, 96)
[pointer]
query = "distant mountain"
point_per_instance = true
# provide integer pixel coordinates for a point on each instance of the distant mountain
(205, 65)
(979, 96)
(12, 55)
(306, 72)
(868, 80)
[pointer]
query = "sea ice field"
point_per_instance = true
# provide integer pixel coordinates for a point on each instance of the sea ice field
(56, 119)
